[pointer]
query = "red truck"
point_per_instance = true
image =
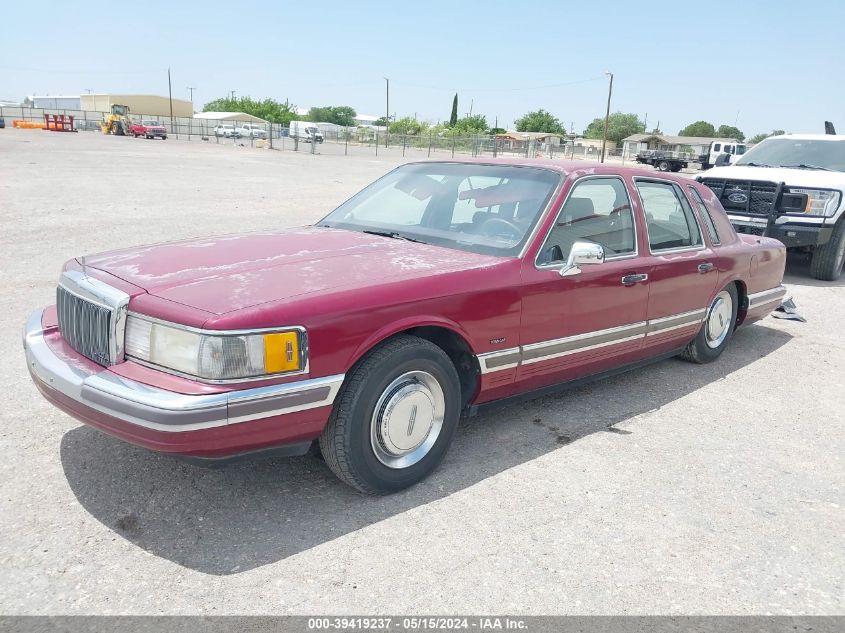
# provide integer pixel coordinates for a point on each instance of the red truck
(148, 129)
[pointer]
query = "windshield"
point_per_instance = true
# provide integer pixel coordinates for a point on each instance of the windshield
(149, 122)
(487, 209)
(785, 152)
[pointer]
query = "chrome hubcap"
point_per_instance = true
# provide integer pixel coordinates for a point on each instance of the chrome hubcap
(407, 419)
(718, 323)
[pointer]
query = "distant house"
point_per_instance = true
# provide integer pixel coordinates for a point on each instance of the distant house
(518, 140)
(679, 144)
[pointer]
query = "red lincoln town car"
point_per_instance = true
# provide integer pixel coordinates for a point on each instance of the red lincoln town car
(441, 287)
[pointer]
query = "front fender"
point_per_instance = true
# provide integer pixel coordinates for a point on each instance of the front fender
(385, 332)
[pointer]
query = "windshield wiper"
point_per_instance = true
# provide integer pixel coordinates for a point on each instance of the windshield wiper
(754, 165)
(394, 235)
(806, 166)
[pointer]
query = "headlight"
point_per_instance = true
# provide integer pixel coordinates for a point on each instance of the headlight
(820, 201)
(216, 356)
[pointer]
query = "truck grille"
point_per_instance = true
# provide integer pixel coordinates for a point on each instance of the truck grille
(84, 325)
(751, 197)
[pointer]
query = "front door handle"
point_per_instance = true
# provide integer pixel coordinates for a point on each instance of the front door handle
(629, 280)
(705, 268)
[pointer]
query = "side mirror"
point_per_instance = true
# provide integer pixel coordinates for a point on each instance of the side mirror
(581, 254)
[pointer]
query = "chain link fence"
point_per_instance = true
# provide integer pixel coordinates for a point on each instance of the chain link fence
(336, 140)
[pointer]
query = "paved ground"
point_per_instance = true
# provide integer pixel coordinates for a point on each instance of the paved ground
(675, 489)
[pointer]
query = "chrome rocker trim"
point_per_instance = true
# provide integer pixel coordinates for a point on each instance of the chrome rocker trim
(759, 299)
(162, 410)
(548, 350)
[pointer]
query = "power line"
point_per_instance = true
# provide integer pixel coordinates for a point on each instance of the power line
(502, 89)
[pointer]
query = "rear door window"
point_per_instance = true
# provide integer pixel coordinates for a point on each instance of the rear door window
(670, 220)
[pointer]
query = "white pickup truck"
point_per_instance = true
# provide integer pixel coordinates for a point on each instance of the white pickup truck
(790, 187)
(251, 130)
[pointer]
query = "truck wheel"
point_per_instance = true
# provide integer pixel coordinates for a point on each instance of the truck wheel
(663, 166)
(394, 418)
(828, 258)
(717, 329)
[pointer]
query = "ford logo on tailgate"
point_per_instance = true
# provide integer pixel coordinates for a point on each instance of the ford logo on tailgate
(738, 198)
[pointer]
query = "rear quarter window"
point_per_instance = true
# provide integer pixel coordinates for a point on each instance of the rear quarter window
(717, 214)
(704, 212)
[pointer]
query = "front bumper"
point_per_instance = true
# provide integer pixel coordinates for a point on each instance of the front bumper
(207, 425)
(791, 234)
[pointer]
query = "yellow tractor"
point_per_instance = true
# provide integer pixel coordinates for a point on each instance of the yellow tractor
(117, 122)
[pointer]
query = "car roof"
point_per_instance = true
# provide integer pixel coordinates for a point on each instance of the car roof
(566, 167)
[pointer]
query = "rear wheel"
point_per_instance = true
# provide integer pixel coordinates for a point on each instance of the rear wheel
(395, 417)
(663, 166)
(717, 329)
(828, 259)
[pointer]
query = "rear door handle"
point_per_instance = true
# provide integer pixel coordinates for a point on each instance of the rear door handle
(705, 268)
(628, 280)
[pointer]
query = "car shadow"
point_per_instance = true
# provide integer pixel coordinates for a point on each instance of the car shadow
(229, 520)
(798, 273)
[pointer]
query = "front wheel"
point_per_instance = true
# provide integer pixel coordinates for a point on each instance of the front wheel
(395, 416)
(663, 166)
(717, 329)
(828, 259)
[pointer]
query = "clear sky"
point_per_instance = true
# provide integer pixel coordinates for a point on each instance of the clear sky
(764, 65)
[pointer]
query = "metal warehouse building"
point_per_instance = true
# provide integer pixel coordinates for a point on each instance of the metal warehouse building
(153, 105)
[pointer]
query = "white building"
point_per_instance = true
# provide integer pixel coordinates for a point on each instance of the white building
(53, 102)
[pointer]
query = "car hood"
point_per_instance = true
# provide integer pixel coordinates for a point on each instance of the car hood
(223, 274)
(793, 177)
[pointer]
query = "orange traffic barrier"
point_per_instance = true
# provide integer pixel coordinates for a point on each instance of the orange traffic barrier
(28, 125)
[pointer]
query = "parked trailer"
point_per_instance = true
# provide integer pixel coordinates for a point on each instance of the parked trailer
(663, 161)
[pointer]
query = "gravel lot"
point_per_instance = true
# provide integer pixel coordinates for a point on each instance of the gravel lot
(677, 489)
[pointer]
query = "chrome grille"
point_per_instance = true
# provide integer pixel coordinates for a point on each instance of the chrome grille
(84, 325)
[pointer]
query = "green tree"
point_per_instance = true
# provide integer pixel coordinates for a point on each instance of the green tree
(469, 126)
(267, 109)
(453, 118)
(498, 130)
(407, 126)
(539, 121)
(729, 131)
(339, 115)
(619, 127)
(759, 137)
(699, 128)
(380, 122)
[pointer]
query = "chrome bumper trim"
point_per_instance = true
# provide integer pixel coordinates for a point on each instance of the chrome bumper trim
(162, 410)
